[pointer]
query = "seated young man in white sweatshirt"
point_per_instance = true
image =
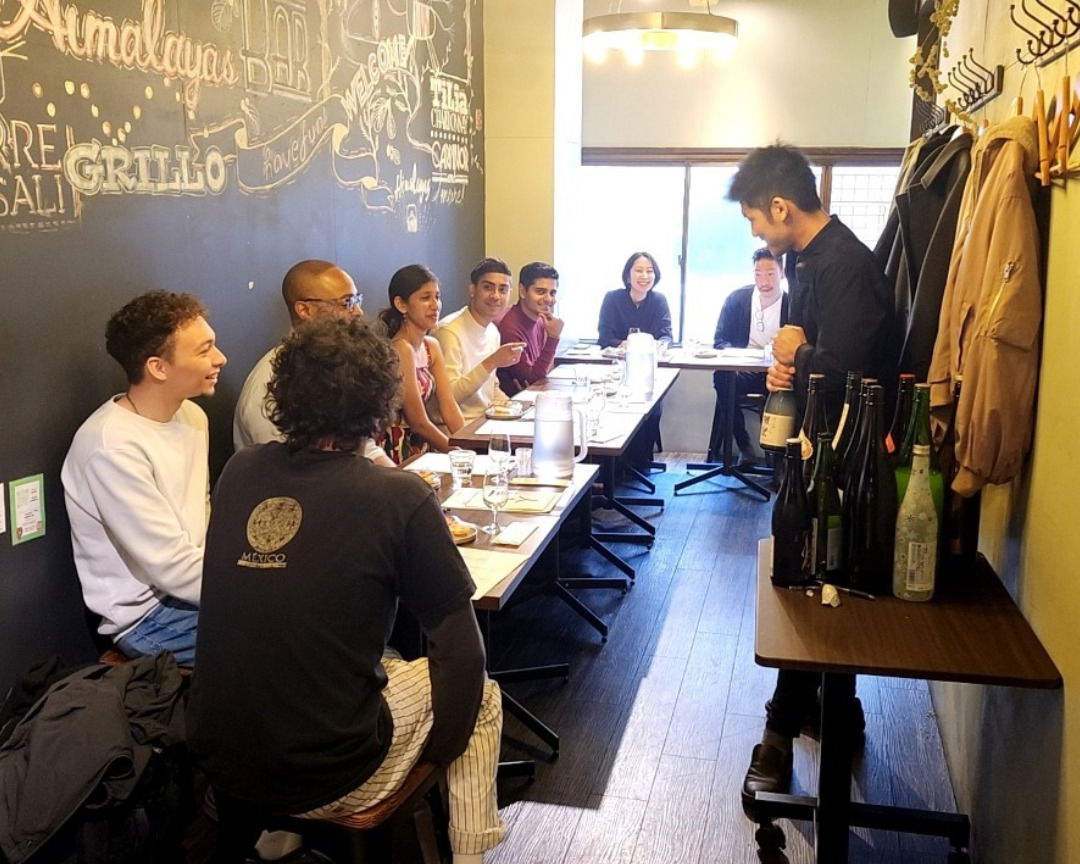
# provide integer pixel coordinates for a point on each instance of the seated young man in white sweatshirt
(471, 343)
(136, 479)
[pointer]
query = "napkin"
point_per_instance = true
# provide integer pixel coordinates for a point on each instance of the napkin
(513, 534)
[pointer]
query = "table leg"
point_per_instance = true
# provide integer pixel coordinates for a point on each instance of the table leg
(727, 468)
(834, 770)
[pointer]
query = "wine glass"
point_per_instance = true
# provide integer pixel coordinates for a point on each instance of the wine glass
(618, 378)
(594, 408)
(496, 494)
(499, 451)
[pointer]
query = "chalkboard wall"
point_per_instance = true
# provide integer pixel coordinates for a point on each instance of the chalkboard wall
(205, 146)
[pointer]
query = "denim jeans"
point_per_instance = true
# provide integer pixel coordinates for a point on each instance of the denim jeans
(170, 627)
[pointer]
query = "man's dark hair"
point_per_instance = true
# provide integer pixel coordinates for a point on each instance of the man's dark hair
(763, 254)
(333, 379)
(488, 265)
(144, 329)
(629, 265)
(778, 171)
(537, 270)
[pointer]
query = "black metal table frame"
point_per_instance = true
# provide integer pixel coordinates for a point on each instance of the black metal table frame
(725, 468)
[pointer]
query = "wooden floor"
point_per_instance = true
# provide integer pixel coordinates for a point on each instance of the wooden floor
(657, 725)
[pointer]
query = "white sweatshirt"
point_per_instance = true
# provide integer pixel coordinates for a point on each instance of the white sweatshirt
(137, 497)
(465, 345)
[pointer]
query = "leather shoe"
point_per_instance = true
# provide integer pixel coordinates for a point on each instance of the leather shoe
(769, 771)
(811, 724)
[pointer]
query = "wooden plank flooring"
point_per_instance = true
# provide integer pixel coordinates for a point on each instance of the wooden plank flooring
(657, 725)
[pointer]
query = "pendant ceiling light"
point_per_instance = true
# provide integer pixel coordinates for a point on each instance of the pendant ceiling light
(686, 33)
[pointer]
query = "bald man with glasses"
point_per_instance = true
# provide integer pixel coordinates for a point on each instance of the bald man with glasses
(311, 290)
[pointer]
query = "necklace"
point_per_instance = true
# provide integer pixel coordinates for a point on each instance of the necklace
(131, 402)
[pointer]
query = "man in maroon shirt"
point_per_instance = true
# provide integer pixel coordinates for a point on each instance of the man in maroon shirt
(532, 321)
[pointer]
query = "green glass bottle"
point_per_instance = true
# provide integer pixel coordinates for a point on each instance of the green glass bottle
(918, 432)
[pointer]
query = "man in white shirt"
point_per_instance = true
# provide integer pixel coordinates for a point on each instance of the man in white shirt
(470, 340)
(136, 479)
(311, 289)
(751, 317)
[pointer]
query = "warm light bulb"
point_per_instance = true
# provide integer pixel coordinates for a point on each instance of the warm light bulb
(595, 50)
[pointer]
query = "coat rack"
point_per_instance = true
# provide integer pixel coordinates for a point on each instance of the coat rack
(1055, 29)
(976, 84)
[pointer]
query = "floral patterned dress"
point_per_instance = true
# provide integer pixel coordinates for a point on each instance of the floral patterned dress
(399, 441)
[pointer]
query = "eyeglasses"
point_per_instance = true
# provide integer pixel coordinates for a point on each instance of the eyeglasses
(349, 301)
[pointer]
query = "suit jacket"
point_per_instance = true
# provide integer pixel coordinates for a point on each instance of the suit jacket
(733, 325)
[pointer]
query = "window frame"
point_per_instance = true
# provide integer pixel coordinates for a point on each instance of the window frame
(825, 158)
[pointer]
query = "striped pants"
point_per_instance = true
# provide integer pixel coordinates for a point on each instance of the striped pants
(475, 825)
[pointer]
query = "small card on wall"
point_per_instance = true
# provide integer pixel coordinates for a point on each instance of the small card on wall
(26, 500)
(3, 510)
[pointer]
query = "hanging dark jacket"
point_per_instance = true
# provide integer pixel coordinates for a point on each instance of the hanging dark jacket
(925, 213)
(86, 742)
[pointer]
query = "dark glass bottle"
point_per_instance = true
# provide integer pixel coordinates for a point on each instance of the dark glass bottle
(960, 516)
(904, 398)
(918, 432)
(792, 564)
(825, 515)
(869, 507)
(846, 424)
(814, 423)
(846, 458)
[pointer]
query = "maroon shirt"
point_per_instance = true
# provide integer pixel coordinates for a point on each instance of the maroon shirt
(537, 358)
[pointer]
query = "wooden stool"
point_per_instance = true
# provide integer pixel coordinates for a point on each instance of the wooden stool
(418, 808)
(114, 657)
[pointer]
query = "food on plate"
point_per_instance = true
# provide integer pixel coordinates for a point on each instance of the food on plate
(462, 532)
(430, 477)
(505, 410)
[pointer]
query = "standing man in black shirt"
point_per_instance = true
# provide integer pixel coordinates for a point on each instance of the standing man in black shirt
(841, 319)
(296, 709)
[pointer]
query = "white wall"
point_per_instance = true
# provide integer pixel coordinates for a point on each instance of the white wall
(813, 72)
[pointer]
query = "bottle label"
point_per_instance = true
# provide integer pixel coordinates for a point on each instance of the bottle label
(807, 446)
(776, 429)
(920, 567)
(890, 445)
(840, 426)
(834, 537)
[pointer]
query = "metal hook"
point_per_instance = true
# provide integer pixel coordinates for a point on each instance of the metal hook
(1049, 32)
(1056, 20)
(1031, 50)
(987, 74)
(980, 83)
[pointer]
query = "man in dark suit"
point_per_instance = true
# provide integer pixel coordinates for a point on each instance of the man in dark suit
(751, 317)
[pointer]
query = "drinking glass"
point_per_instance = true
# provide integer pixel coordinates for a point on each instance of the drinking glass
(496, 494)
(461, 463)
(499, 451)
(594, 408)
(618, 378)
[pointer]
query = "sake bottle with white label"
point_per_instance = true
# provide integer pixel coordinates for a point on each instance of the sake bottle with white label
(915, 556)
(778, 419)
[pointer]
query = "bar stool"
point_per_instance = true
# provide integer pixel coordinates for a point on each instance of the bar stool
(417, 811)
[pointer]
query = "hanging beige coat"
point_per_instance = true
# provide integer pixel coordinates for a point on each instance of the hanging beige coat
(988, 333)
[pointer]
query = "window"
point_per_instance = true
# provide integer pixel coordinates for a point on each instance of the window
(678, 211)
(631, 209)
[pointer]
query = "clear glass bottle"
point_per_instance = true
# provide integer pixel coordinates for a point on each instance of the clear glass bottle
(915, 558)
(778, 419)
